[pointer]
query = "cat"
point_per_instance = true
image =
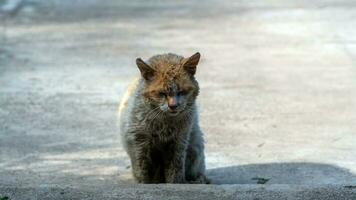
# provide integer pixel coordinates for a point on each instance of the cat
(159, 122)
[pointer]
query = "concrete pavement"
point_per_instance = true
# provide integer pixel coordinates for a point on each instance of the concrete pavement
(189, 192)
(277, 103)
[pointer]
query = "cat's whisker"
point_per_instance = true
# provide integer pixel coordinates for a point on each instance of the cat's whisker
(151, 112)
(157, 114)
(148, 115)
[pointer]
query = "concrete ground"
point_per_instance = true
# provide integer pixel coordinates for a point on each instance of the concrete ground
(277, 103)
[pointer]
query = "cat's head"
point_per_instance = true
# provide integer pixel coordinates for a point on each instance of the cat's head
(170, 84)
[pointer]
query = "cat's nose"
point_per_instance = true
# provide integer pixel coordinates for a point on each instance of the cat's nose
(172, 103)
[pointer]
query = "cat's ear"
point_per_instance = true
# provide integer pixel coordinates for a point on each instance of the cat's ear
(147, 71)
(190, 64)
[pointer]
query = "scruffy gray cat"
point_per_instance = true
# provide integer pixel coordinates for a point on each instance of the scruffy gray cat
(159, 122)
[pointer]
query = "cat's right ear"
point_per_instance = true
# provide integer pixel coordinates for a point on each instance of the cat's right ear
(146, 71)
(190, 64)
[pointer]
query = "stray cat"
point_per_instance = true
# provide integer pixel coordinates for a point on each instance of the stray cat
(159, 122)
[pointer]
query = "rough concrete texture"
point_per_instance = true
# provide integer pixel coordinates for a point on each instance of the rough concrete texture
(188, 192)
(277, 103)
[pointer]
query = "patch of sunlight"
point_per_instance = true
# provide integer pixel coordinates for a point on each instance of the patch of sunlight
(96, 170)
(87, 154)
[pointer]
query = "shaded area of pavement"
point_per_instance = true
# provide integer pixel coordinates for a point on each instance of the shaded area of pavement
(277, 102)
(189, 192)
(282, 173)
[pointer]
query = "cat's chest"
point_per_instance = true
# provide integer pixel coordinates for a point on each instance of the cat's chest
(160, 129)
(165, 127)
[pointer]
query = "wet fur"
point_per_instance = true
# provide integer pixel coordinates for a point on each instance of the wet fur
(163, 148)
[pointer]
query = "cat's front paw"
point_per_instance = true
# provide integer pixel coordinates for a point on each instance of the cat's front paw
(201, 179)
(177, 179)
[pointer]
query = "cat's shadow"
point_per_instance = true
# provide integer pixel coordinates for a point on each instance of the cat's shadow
(282, 173)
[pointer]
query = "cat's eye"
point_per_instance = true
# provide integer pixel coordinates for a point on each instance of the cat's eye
(162, 94)
(182, 92)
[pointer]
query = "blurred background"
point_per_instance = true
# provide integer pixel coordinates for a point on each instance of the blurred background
(277, 77)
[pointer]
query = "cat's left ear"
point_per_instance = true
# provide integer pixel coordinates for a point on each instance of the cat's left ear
(190, 64)
(147, 71)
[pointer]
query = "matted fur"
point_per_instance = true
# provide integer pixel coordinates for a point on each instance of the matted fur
(163, 148)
